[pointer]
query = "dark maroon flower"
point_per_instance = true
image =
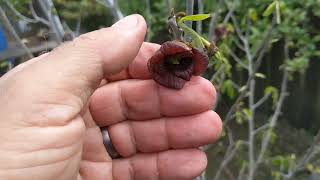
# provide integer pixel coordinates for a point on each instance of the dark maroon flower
(175, 63)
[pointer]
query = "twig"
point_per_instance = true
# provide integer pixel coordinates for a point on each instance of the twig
(236, 58)
(49, 10)
(261, 128)
(261, 101)
(275, 116)
(215, 75)
(149, 17)
(189, 11)
(35, 15)
(242, 95)
(169, 6)
(240, 46)
(114, 8)
(229, 155)
(200, 11)
(312, 151)
(36, 19)
(242, 170)
(11, 29)
(213, 21)
(229, 173)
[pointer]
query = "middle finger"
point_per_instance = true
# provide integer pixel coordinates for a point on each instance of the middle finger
(145, 99)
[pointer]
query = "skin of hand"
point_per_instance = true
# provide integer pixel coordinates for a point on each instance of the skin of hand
(52, 108)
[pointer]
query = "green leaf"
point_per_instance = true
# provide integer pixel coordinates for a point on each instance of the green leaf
(274, 94)
(253, 14)
(196, 38)
(260, 75)
(278, 12)
(309, 167)
(239, 117)
(247, 112)
(243, 88)
(227, 87)
(270, 9)
(4, 64)
(196, 17)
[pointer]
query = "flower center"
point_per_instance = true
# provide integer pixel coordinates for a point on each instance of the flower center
(178, 64)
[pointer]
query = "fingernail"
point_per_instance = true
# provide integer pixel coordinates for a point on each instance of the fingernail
(127, 22)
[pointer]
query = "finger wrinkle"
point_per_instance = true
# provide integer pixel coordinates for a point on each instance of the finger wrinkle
(159, 99)
(157, 166)
(132, 137)
(123, 103)
(131, 169)
(166, 133)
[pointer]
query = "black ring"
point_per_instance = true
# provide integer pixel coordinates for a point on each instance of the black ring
(108, 144)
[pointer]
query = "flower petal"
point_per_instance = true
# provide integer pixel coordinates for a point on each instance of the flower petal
(166, 78)
(174, 47)
(201, 61)
(185, 74)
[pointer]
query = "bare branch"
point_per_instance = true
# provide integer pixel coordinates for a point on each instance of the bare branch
(240, 46)
(263, 48)
(261, 101)
(56, 26)
(229, 155)
(261, 128)
(313, 151)
(217, 73)
(24, 18)
(169, 6)
(189, 11)
(114, 8)
(35, 15)
(213, 21)
(11, 29)
(242, 170)
(200, 11)
(149, 17)
(276, 114)
(236, 58)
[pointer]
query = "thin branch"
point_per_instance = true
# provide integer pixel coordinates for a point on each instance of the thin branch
(114, 8)
(229, 155)
(189, 11)
(261, 128)
(237, 27)
(78, 26)
(213, 21)
(200, 11)
(35, 15)
(11, 29)
(56, 26)
(275, 116)
(217, 73)
(240, 46)
(228, 16)
(312, 151)
(236, 58)
(169, 6)
(258, 62)
(248, 27)
(19, 15)
(262, 100)
(149, 17)
(242, 170)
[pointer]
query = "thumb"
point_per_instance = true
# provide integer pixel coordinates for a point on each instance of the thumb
(68, 75)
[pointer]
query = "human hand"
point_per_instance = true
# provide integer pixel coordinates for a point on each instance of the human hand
(52, 108)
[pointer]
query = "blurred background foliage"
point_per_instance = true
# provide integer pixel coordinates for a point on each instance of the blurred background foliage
(292, 47)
